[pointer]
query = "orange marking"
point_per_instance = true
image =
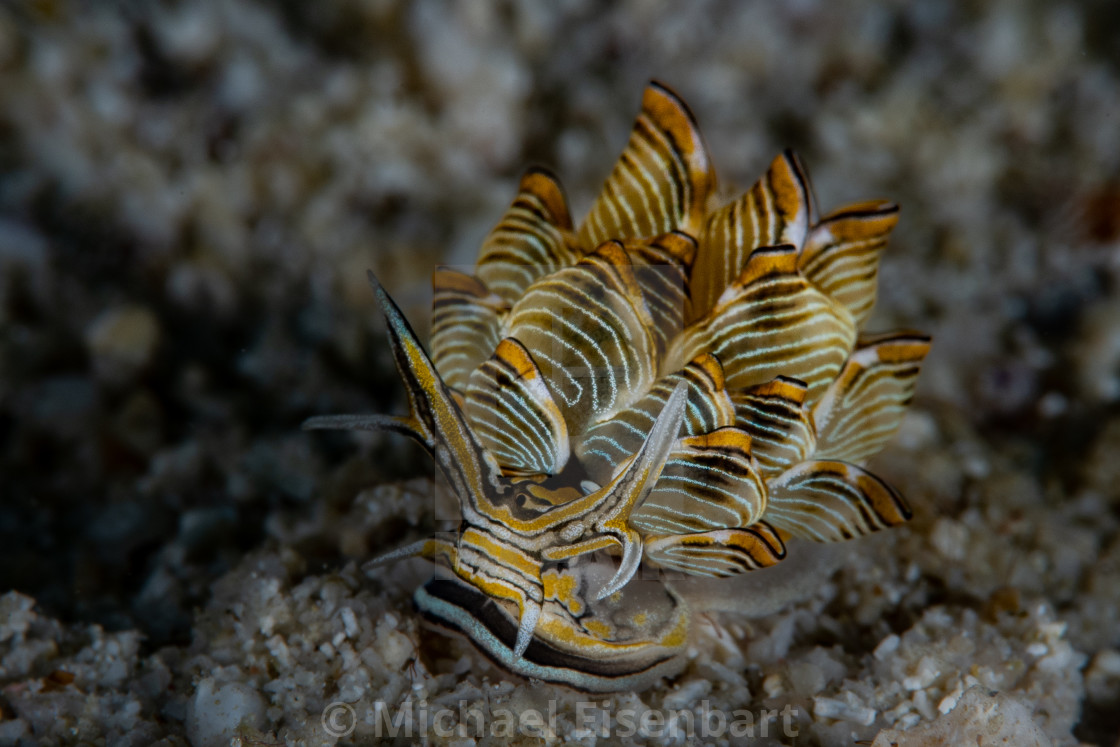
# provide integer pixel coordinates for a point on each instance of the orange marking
(711, 367)
(562, 587)
(595, 627)
(903, 351)
(613, 254)
(505, 555)
(680, 246)
(767, 261)
(544, 187)
(513, 353)
(862, 220)
(790, 195)
(728, 438)
(783, 387)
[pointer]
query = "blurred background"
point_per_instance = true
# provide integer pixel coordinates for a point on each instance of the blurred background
(191, 192)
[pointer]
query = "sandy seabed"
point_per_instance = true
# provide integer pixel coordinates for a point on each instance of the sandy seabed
(190, 193)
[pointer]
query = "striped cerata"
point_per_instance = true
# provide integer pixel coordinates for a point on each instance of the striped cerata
(674, 388)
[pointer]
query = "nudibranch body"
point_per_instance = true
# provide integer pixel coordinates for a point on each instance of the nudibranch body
(672, 383)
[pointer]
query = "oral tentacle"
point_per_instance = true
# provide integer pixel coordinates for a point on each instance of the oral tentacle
(631, 559)
(627, 491)
(432, 548)
(530, 615)
(391, 423)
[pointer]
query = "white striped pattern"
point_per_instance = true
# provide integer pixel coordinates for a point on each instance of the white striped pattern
(772, 322)
(588, 329)
(719, 553)
(865, 405)
(509, 407)
(775, 417)
(465, 321)
(661, 181)
(603, 447)
(661, 267)
(841, 254)
(531, 241)
(830, 501)
(774, 211)
(710, 482)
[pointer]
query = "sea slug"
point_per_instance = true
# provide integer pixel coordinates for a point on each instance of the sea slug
(671, 384)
